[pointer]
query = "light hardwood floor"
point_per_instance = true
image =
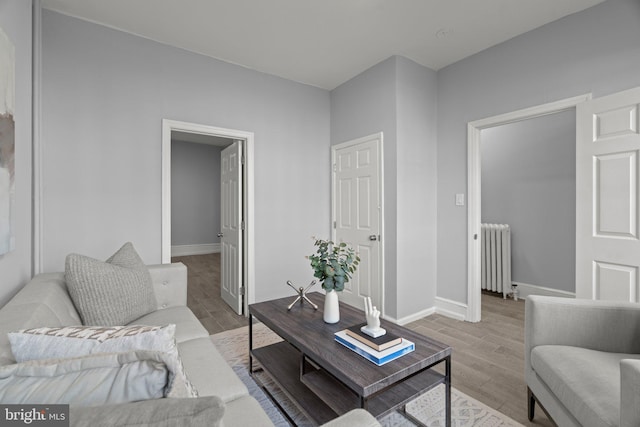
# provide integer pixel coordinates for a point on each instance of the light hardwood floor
(203, 293)
(487, 358)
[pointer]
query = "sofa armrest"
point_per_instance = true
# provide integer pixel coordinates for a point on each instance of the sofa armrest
(169, 284)
(630, 393)
(354, 418)
(598, 325)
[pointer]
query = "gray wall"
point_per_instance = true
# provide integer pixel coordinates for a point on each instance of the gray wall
(529, 182)
(416, 89)
(596, 51)
(105, 93)
(15, 266)
(195, 193)
(362, 106)
(398, 97)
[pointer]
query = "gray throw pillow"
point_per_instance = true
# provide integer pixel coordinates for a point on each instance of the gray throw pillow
(115, 292)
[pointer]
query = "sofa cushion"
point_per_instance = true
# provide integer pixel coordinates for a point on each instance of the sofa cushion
(586, 381)
(188, 326)
(209, 371)
(105, 378)
(43, 301)
(245, 411)
(110, 293)
(76, 341)
(201, 412)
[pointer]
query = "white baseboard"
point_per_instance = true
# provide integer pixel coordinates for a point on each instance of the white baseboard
(203, 249)
(453, 309)
(412, 317)
(526, 289)
(443, 306)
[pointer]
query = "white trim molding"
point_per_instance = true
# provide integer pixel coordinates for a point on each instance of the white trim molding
(37, 249)
(473, 188)
(453, 309)
(412, 317)
(526, 289)
(248, 194)
(201, 249)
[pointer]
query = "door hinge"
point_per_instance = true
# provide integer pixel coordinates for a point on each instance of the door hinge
(242, 290)
(335, 225)
(335, 167)
(242, 225)
(242, 159)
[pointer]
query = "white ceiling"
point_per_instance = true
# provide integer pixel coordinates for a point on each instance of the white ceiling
(324, 42)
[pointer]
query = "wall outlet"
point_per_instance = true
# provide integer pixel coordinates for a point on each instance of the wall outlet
(459, 199)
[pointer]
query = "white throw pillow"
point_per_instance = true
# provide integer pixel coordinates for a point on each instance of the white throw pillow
(99, 379)
(77, 341)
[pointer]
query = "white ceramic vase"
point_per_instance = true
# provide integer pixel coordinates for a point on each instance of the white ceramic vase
(331, 307)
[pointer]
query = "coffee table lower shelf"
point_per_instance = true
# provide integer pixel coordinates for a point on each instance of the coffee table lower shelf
(322, 397)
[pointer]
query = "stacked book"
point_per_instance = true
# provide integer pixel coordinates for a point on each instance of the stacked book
(379, 350)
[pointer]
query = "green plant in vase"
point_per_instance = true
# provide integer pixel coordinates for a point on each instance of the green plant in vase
(333, 264)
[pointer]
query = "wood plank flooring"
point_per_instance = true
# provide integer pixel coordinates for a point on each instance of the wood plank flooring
(203, 293)
(487, 358)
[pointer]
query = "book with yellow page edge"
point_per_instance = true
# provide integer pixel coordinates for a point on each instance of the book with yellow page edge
(381, 343)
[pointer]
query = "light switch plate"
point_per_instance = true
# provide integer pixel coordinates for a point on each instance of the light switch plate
(459, 199)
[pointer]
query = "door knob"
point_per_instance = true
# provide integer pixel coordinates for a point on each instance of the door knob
(220, 234)
(373, 237)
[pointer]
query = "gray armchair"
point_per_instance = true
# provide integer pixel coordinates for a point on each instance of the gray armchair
(582, 361)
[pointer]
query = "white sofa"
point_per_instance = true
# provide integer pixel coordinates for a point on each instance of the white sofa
(44, 301)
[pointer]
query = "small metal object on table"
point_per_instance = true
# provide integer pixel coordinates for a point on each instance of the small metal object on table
(325, 379)
(302, 295)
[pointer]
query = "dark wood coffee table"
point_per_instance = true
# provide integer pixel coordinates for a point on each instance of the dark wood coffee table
(326, 379)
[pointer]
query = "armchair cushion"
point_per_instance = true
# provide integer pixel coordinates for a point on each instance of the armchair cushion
(586, 381)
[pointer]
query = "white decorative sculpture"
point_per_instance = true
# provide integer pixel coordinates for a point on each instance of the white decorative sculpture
(372, 328)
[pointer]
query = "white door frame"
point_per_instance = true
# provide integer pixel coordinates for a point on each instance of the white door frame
(249, 248)
(380, 137)
(473, 188)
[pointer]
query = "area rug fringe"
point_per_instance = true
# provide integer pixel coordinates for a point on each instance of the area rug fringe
(429, 408)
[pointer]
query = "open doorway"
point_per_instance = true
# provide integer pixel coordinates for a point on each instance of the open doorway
(196, 134)
(474, 189)
(528, 174)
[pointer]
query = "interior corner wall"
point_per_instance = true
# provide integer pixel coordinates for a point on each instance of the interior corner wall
(105, 93)
(362, 106)
(398, 97)
(416, 100)
(195, 193)
(593, 51)
(16, 266)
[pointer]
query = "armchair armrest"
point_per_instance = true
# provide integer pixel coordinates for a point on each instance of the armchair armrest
(629, 393)
(598, 325)
(169, 284)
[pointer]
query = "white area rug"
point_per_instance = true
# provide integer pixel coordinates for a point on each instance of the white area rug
(429, 408)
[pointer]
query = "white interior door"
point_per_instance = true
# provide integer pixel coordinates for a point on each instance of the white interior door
(357, 210)
(231, 226)
(607, 151)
